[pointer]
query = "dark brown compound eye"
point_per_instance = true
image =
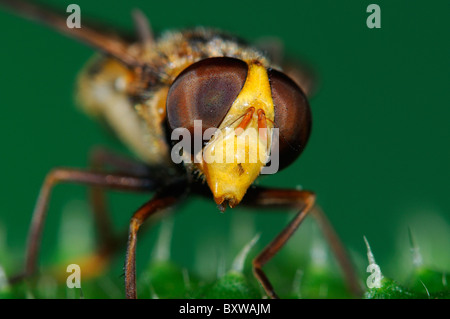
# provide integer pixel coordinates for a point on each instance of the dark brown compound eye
(205, 91)
(292, 117)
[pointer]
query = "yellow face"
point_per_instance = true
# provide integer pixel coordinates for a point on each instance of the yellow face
(239, 149)
(239, 104)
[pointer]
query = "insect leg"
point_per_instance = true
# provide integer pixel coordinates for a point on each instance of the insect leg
(163, 199)
(100, 159)
(143, 28)
(76, 176)
(304, 202)
(339, 251)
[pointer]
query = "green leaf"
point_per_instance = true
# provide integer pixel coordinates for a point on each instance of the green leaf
(164, 279)
(390, 290)
(233, 285)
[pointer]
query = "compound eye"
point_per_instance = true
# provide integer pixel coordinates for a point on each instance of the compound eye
(292, 117)
(205, 91)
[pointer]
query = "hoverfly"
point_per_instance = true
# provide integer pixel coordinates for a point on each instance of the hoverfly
(145, 89)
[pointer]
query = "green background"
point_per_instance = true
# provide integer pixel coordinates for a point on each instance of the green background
(378, 157)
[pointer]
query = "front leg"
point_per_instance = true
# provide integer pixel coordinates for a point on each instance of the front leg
(303, 201)
(165, 198)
